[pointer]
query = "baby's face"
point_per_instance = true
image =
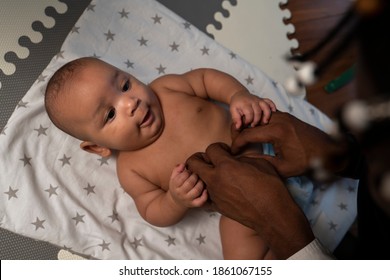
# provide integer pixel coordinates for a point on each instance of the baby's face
(113, 109)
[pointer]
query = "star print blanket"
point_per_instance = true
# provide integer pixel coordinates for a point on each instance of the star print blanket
(52, 191)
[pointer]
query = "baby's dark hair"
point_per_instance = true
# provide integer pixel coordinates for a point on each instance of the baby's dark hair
(56, 89)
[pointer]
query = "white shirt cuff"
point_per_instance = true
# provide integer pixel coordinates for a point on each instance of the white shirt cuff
(313, 251)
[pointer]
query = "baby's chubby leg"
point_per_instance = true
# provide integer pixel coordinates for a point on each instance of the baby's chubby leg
(241, 243)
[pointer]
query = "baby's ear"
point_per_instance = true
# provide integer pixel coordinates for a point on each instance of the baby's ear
(95, 149)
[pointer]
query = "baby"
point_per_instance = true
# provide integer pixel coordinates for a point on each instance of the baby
(153, 129)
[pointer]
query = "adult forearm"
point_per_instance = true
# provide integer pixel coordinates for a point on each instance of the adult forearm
(300, 147)
(288, 231)
(352, 157)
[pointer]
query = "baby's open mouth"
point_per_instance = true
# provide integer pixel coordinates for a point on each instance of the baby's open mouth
(147, 120)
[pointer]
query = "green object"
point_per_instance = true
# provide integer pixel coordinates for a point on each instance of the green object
(341, 80)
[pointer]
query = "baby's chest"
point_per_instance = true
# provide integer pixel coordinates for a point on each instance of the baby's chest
(190, 126)
(194, 120)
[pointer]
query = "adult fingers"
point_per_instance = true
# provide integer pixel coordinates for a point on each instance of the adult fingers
(204, 164)
(258, 134)
(265, 161)
(218, 152)
(199, 164)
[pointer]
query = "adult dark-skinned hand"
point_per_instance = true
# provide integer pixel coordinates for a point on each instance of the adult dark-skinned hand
(295, 144)
(250, 191)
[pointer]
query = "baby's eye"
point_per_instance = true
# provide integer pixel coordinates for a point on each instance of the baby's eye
(126, 86)
(110, 115)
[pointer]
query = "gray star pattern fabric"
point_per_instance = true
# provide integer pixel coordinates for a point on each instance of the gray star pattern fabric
(52, 191)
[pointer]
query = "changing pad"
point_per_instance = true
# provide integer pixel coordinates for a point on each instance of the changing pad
(52, 191)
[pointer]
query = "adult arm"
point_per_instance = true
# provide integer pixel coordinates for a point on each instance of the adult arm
(250, 191)
(298, 144)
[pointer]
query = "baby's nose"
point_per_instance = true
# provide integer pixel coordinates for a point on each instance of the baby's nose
(132, 104)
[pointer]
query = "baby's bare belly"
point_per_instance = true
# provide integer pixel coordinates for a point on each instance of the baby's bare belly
(184, 137)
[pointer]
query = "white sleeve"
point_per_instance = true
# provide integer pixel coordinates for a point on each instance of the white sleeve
(313, 251)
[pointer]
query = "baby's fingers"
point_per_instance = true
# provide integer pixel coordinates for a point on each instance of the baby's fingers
(270, 103)
(178, 169)
(179, 175)
(257, 113)
(200, 200)
(196, 190)
(188, 186)
(266, 112)
(236, 117)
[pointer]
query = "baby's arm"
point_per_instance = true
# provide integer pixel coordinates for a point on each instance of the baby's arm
(248, 109)
(245, 108)
(161, 208)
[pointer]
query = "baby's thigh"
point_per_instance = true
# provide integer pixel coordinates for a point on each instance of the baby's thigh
(234, 229)
(240, 242)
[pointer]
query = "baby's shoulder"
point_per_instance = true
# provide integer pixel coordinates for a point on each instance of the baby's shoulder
(170, 83)
(163, 81)
(127, 173)
(124, 168)
(134, 178)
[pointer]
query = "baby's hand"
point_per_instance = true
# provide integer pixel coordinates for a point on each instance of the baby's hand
(186, 188)
(248, 109)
